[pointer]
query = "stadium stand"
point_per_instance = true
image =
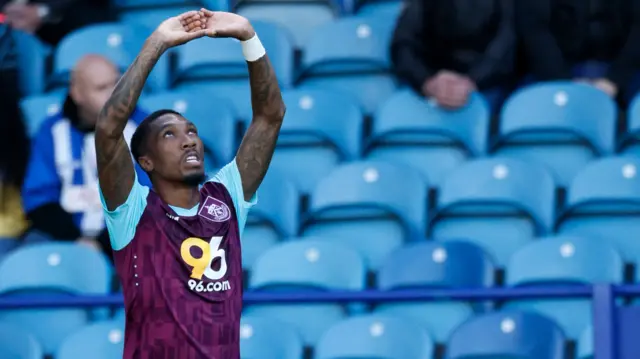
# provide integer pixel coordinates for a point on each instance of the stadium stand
(387, 227)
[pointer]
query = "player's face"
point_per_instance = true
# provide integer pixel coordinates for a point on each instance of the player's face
(175, 151)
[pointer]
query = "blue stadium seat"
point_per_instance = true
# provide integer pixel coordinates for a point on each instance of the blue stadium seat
(32, 55)
(375, 336)
(498, 203)
(17, 344)
(585, 344)
(562, 125)
(36, 109)
(603, 202)
(312, 265)
(275, 217)
(268, 338)
(350, 56)
(119, 43)
(300, 18)
(435, 265)
(413, 131)
(320, 130)
(564, 260)
(58, 268)
(7, 245)
(372, 206)
(507, 335)
(104, 340)
(213, 116)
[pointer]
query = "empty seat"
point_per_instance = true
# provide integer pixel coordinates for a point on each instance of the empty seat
(350, 56)
(59, 268)
(562, 125)
(120, 43)
(375, 336)
(507, 335)
(32, 56)
(18, 344)
(603, 201)
(411, 130)
(213, 116)
(308, 264)
(300, 18)
(104, 340)
(499, 204)
(564, 260)
(268, 338)
(320, 130)
(36, 109)
(372, 206)
(435, 265)
(276, 216)
(630, 141)
(585, 344)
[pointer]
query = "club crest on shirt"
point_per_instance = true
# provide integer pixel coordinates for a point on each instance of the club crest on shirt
(215, 210)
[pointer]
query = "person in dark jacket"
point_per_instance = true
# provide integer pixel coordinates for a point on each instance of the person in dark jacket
(446, 49)
(593, 41)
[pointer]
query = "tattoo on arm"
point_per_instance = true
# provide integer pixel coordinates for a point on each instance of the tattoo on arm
(259, 143)
(115, 167)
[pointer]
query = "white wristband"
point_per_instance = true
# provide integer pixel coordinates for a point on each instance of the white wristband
(252, 49)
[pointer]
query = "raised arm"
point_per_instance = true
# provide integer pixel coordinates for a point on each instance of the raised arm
(259, 142)
(115, 167)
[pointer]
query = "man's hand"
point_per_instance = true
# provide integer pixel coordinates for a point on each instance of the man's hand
(89, 242)
(606, 86)
(23, 17)
(450, 90)
(226, 24)
(180, 29)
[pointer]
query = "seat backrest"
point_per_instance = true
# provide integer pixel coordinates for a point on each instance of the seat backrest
(119, 43)
(316, 115)
(309, 263)
(606, 185)
(32, 56)
(435, 264)
(214, 117)
(224, 58)
(560, 110)
(565, 259)
(104, 340)
(375, 336)
(585, 344)
(496, 185)
(18, 344)
(36, 109)
(410, 117)
(57, 266)
(351, 44)
(519, 335)
(266, 338)
(633, 123)
(279, 205)
(365, 187)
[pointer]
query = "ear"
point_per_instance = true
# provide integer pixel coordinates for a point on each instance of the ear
(146, 163)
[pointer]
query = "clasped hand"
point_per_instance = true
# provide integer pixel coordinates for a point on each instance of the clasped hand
(191, 25)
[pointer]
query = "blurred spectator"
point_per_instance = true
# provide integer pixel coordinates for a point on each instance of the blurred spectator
(61, 187)
(446, 49)
(595, 41)
(51, 20)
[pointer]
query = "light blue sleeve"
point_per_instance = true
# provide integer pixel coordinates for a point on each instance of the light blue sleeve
(122, 222)
(229, 176)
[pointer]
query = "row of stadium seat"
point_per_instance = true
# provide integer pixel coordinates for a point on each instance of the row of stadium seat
(321, 264)
(561, 125)
(328, 59)
(505, 335)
